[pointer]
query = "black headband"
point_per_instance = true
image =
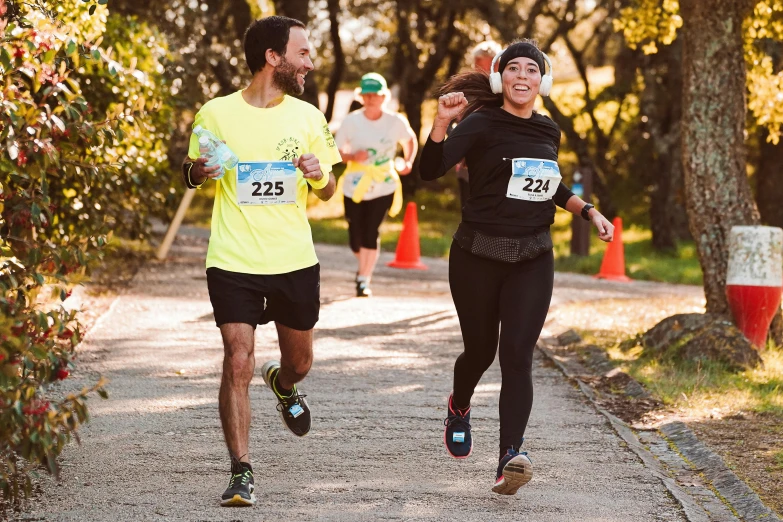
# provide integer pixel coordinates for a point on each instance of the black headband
(524, 50)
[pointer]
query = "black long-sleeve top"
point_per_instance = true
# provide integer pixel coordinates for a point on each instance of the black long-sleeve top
(486, 139)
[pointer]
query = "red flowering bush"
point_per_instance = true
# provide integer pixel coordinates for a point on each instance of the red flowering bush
(72, 171)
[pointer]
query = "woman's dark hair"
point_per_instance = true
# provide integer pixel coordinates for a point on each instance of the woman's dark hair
(267, 33)
(475, 84)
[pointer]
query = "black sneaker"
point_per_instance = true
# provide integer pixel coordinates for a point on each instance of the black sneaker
(456, 436)
(363, 289)
(293, 408)
(240, 487)
(514, 471)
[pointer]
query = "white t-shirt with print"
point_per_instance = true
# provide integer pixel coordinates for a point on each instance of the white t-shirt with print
(379, 138)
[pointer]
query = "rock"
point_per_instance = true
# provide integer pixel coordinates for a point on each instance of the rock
(568, 337)
(702, 336)
(723, 343)
(596, 358)
(636, 390)
(672, 329)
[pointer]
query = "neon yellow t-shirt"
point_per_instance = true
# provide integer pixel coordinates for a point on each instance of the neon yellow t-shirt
(263, 239)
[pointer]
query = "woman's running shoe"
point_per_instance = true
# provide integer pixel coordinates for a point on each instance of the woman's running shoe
(456, 436)
(514, 471)
(363, 289)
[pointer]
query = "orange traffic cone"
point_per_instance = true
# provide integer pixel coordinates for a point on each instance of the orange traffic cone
(613, 264)
(408, 251)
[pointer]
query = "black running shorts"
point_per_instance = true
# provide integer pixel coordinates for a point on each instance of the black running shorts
(291, 299)
(364, 220)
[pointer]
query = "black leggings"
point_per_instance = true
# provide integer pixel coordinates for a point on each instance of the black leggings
(488, 294)
(364, 219)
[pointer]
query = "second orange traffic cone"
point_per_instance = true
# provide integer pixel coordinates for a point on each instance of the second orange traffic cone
(613, 264)
(408, 252)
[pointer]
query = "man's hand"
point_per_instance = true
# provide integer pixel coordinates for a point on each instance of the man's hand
(199, 173)
(310, 166)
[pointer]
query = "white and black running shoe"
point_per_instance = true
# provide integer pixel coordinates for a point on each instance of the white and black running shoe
(514, 471)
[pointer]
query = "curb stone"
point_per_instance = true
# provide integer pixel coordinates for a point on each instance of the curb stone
(741, 497)
(699, 503)
(700, 458)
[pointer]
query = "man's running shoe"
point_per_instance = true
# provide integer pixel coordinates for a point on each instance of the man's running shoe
(456, 436)
(240, 487)
(293, 408)
(514, 471)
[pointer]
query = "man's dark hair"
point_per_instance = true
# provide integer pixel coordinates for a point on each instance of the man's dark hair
(267, 33)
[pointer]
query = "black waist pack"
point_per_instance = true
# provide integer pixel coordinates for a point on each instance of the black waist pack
(506, 249)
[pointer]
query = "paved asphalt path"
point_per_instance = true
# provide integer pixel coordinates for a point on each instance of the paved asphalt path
(377, 389)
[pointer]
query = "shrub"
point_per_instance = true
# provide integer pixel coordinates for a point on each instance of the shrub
(71, 173)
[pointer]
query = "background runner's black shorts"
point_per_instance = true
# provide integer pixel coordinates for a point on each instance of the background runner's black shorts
(291, 299)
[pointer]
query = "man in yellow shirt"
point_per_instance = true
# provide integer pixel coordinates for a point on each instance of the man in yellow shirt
(261, 263)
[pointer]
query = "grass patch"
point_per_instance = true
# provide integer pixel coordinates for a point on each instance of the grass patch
(437, 225)
(435, 228)
(702, 388)
(642, 261)
(777, 458)
(439, 217)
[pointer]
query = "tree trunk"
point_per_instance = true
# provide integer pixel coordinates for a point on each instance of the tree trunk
(717, 191)
(338, 66)
(769, 188)
(769, 195)
(414, 79)
(300, 9)
(663, 76)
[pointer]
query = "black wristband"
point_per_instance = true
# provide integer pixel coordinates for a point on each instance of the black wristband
(586, 211)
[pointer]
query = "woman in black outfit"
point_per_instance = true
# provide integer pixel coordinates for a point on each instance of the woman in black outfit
(501, 266)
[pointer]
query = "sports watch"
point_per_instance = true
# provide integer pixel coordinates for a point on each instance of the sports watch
(586, 211)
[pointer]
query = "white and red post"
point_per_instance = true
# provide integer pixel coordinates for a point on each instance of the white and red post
(754, 281)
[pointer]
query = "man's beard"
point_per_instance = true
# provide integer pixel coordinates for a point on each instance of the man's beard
(284, 77)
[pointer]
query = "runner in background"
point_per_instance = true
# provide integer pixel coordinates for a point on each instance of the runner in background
(482, 55)
(371, 187)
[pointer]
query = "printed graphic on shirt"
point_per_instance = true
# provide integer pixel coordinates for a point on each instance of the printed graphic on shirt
(533, 179)
(385, 152)
(328, 137)
(288, 148)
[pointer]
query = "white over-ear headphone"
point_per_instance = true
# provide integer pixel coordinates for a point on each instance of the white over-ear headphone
(496, 81)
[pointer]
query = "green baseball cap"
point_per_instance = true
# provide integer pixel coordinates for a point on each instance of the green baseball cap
(372, 83)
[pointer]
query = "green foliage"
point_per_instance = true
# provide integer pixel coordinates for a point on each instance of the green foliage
(650, 22)
(765, 78)
(642, 261)
(127, 86)
(66, 184)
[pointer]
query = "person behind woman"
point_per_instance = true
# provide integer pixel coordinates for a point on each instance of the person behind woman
(501, 266)
(482, 55)
(367, 140)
